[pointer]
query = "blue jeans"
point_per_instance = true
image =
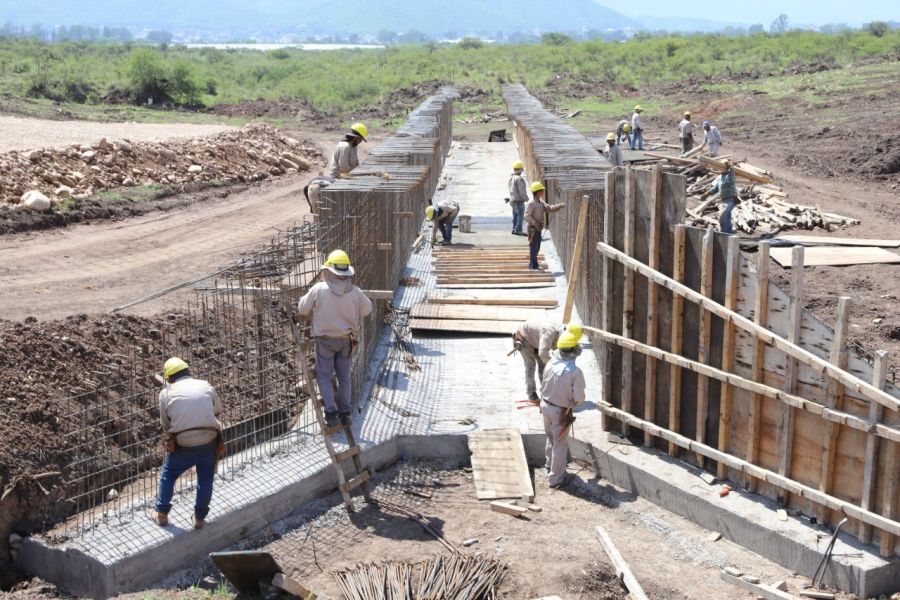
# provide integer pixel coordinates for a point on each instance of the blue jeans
(637, 138)
(534, 246)
(725, 217)
(518, 212)
(201, 457)
(333, 358)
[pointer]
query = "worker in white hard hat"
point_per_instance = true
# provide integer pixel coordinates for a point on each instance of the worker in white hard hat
(335, 306)
(536, 339)
(518, 196)
(637, 128)
(188, 412)
(712, 139)
(562, 389)
(613, 153)
(345, 157)
(623, 131)
(536, 212)
(442, 216)
(686, 133)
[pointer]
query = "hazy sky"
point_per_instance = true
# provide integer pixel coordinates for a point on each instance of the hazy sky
(816, 12)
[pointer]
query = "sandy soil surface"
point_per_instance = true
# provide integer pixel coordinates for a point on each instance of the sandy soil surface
(26, 134)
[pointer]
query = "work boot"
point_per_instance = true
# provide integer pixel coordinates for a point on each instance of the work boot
(331, 418)
(161, 518)
(198, 522)
(346, 418)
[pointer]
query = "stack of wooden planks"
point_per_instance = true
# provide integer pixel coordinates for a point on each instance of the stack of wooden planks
(483, 267)
(478, 313)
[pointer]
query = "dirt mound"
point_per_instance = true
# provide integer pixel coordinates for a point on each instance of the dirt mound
(286, 108)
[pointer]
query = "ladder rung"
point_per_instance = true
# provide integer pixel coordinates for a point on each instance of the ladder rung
(345, 454)
(335, 429)
(355, 482)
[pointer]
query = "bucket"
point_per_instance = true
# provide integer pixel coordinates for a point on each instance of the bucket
(465, 224)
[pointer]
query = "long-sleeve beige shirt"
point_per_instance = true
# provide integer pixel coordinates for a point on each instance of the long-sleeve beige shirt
(186, 404)
(517, 188)
(541, 335)
(335, 308)
(614, 155)
(536, 212)
(344, 160)
(685, 129)
(563, 384)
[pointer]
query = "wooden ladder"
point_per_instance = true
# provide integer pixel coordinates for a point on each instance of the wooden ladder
(362, 476)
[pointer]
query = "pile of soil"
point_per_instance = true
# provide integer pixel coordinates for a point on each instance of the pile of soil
(279, 108)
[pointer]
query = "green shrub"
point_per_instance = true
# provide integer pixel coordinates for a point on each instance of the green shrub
(147, 75)
(470, 43)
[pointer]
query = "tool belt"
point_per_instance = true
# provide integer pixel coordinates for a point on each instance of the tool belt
(170, 443)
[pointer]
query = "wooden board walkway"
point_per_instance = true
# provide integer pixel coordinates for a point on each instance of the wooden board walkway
(836, 256)
(499, 466)
(466, 326)
(489, 313)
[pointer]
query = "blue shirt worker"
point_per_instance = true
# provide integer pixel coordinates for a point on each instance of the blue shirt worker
(727, 190)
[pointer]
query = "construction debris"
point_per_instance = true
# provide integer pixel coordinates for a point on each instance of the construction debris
(761, 590)
(623, 571)
(508, 508)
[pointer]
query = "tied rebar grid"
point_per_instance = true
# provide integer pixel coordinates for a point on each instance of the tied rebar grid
(237, 335)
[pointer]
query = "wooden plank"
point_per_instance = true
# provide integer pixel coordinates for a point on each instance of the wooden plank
(792, 368)
(470, 300)
(677, 335)
(476, 280)
(829, 240)
(346, 454)
(837, 256)
(466, 326)
(490, 313)
(761, 590)
(609, 199)
(499, 466)
(835, 399)
(655, 236)
(293, 587)
(739, 171)
(821, 366)
(706, 280)
(628, 294)
(508, 509)
(379, 294)
(355, 482)
(575, 265)
(497, 286)
(623, 571)
(879, 378)
(890, 492)
(761, 318)
(732, 274)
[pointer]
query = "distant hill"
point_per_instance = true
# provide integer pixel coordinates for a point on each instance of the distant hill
(686, 24)
(335, 16)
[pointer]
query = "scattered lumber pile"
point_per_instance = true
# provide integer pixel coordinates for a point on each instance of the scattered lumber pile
(764, 205)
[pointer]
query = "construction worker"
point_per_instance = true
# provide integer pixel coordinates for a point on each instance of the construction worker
(623, 130)
(562, 389)
(188, 412)
(518, 196)
(345, 158)
(311, 191)
(725, 185)
(686, 133)
(536, 339)
(442, 216)
(712, 138)
(335, 306)
(637, 136)
(536, 212)
(613, 154)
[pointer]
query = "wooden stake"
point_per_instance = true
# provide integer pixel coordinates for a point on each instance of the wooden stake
(652, 299)
(623, 571)
(609, 198)
(628, 295)
(732, 276)
(706, 277)
(677, 336)
(792, 368)
(891, 491)
(879, 378)
(760, 317)
(575, 268)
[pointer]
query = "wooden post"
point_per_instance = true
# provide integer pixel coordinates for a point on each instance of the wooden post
(575, 267)
(760, 317)
(891, 491)
(879, 377)
(628, 295)
(706, 279)
(732, 276)
(835, 399)
(677, 336)
(652, 300)
(792, 368)
(609, 200)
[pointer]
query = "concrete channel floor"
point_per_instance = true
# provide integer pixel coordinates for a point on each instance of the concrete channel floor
(466, 383)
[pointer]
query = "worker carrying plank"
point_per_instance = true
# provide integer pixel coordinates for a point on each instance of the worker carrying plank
(188, 412)
(345, 157)
(623, 130)
(562, 389)
(613, 154)
(712, 139)
(442, 216)
(727, 189)
(686, 133)
(518, 196)
(637, 127)
(335, 306)
(536, 212)
(536, 339)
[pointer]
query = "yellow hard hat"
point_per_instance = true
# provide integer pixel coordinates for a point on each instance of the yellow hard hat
(687, 113)
(574, 329)
(338, 262)
(626, 128)
(537, 186)
(610, 137)
(518, 166)
(429, 213)
(638, 108)
(174, 365)
(566, 341)
(360, 130)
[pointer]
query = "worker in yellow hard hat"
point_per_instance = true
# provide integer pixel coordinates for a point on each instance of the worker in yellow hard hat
(623, 131)
(562, 389)
(686, 133)
(536, 212)
(536, 339)
(345, 157)
(637, 128)
(335, 308)
(442, 214)
(188, 412)
(518, 196)
(613, 153)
